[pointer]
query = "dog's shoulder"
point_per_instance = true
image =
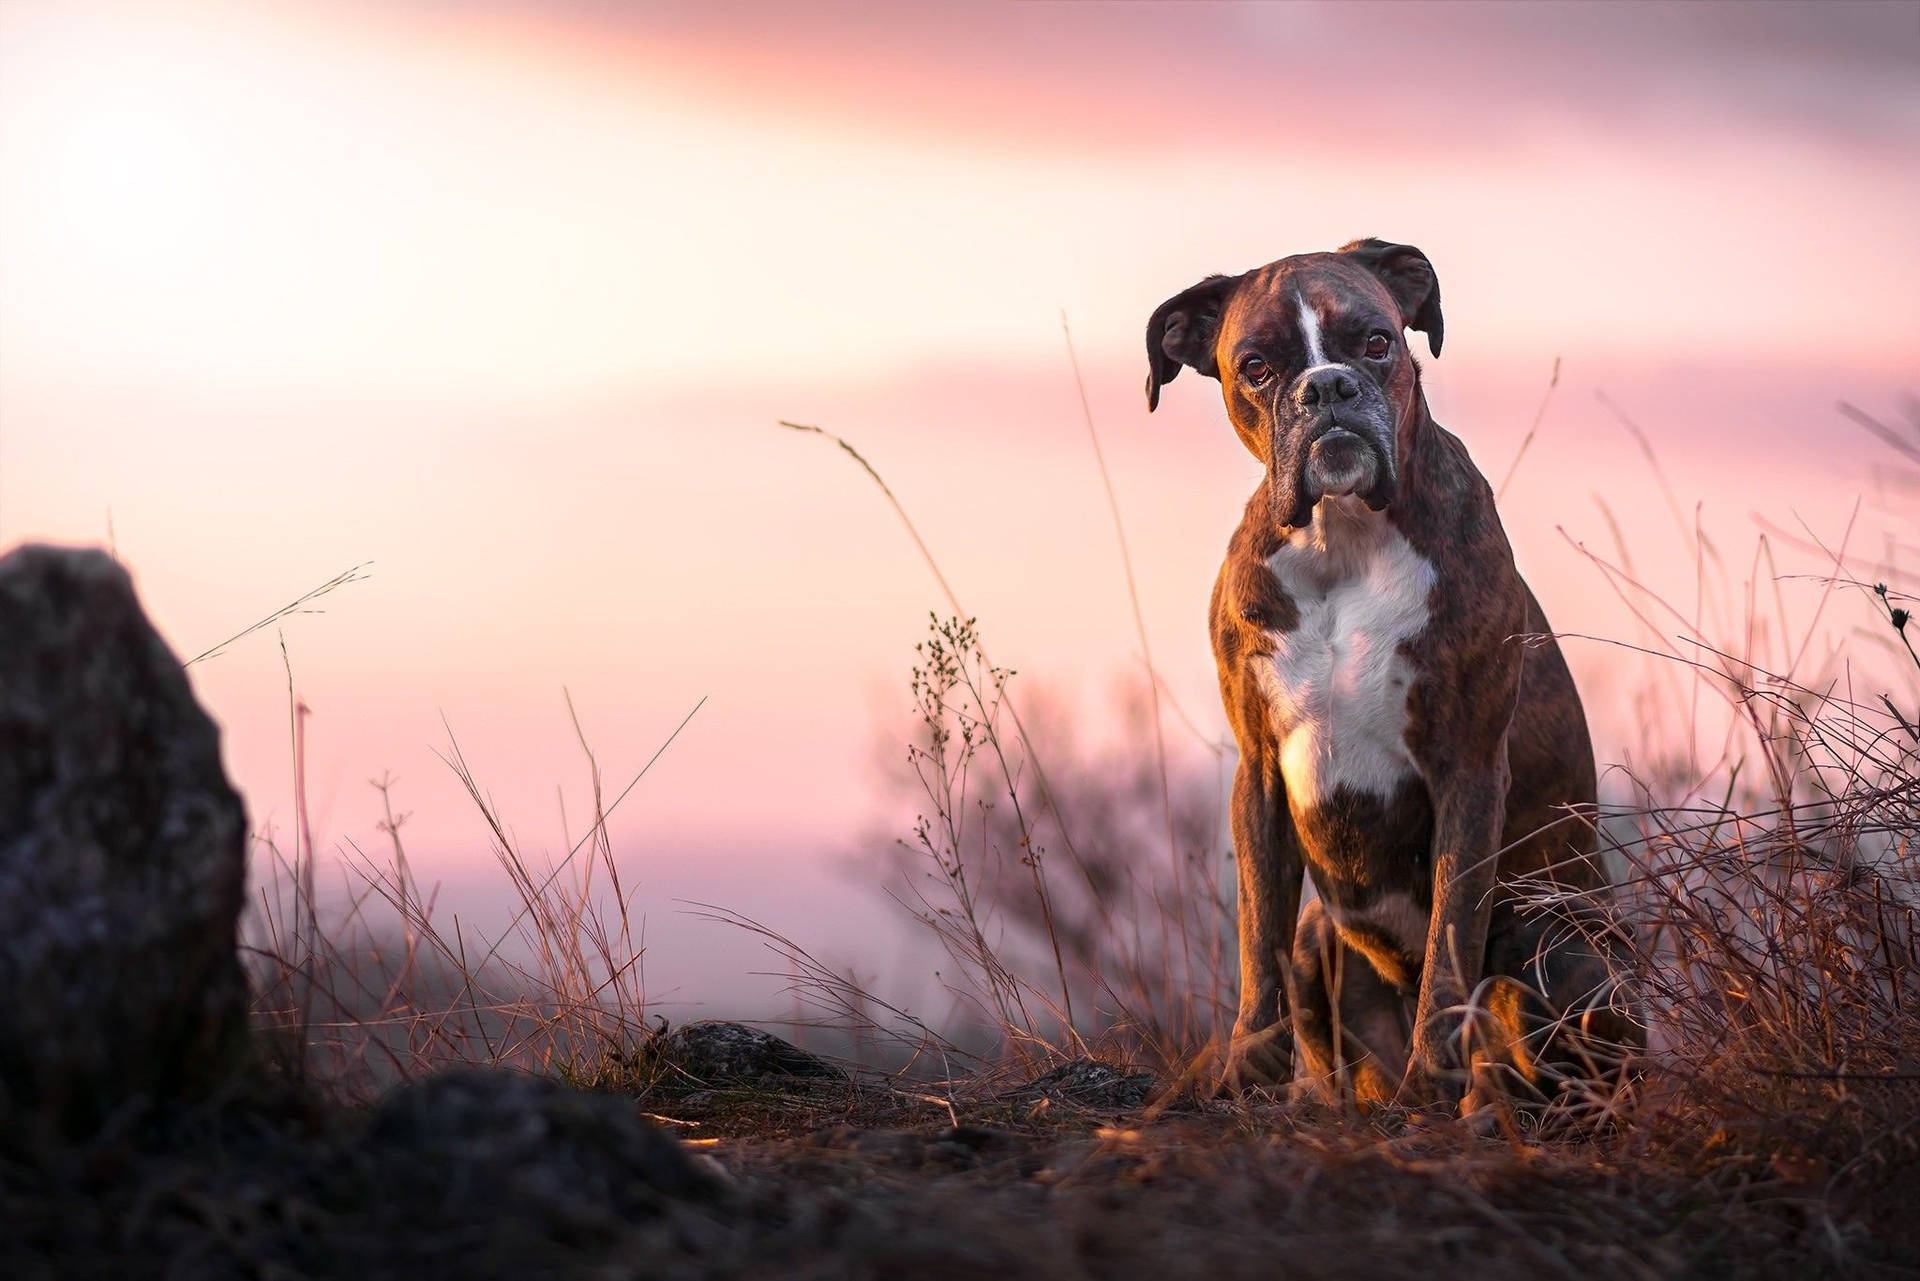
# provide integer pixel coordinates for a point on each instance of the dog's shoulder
(1248, 601)
(1450, 517)
(1473, 650)
(1249, 606)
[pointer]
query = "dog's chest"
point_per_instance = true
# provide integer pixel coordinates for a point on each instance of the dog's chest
(1337, 685)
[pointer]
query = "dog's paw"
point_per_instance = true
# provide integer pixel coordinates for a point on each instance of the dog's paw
(1260, 1060)
(1484, 1111)
(1434, 1080)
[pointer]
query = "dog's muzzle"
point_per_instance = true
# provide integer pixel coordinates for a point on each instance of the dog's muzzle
(1333, 437)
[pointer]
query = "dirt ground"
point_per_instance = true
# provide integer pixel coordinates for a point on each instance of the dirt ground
(487, 1174)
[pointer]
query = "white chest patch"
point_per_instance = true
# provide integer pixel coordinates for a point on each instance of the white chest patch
(1336, 685)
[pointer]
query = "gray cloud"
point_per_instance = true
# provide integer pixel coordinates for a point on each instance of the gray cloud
(1465, 74)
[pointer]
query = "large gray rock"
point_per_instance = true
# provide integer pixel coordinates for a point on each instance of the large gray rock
(122, 855)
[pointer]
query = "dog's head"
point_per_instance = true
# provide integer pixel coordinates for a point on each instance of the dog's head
(1312, 359)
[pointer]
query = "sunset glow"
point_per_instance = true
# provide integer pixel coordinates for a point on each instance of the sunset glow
(507, 300)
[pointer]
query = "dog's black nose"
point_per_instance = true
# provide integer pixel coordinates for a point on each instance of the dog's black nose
(1327, 385)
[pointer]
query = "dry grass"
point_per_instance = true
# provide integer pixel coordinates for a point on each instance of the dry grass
(385, 989)
(1764, 833)
(1071, 931)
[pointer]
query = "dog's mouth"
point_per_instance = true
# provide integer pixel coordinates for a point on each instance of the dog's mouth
(1331, 457)
(1341, 462)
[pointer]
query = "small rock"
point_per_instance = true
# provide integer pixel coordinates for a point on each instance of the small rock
(122, 855)
(1089, 1083)
(713, 1052)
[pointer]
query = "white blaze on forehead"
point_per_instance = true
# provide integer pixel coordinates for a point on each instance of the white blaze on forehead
(1310, 330)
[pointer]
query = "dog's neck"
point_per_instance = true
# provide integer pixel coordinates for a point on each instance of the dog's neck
(1339, 543)
(1410, 434)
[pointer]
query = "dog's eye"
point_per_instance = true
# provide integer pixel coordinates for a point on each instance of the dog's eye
(1378, 346)
(1256, 371)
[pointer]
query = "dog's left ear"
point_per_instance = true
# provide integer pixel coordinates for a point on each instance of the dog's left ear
(1409, 277)
(1183, 331)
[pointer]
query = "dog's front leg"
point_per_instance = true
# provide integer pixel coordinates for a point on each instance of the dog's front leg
(1266, 851)
(1469, 802)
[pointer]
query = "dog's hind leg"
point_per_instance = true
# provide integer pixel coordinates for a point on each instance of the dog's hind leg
(1557, 1008)
(1351, 1028)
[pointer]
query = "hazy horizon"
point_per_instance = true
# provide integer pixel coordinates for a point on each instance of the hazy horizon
(506, 299)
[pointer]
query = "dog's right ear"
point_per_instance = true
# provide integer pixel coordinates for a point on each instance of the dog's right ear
(1183, 331)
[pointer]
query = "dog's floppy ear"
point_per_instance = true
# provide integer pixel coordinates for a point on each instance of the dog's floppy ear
(1182, 332)
(1409, 277)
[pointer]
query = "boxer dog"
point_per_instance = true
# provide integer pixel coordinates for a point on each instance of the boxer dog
(1409, 734)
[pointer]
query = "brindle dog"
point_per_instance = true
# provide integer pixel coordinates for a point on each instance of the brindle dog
(1409, 733)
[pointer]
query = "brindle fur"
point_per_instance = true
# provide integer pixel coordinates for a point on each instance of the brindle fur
(1503, 785)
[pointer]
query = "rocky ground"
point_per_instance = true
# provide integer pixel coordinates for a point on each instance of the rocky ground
(488, 1174)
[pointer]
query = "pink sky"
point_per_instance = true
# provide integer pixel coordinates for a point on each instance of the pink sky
(506, 299)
